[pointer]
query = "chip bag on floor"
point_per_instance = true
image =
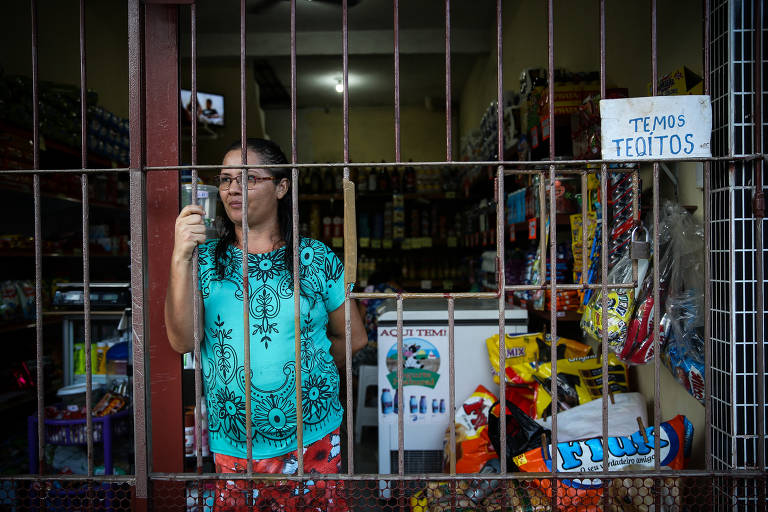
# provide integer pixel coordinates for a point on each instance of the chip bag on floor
(634, 451)
(473, 446)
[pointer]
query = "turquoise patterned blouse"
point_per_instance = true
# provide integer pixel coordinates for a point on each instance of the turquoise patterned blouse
(273, 388)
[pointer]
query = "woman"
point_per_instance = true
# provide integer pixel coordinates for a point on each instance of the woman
(271, 324)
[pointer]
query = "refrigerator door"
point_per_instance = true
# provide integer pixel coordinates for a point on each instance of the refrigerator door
(426, 369)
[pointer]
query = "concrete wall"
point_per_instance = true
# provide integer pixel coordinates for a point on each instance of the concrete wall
(371, 133)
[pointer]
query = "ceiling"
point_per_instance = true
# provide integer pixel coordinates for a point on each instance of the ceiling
(370, 46)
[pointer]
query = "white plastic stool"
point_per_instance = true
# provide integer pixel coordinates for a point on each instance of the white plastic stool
(366, 415)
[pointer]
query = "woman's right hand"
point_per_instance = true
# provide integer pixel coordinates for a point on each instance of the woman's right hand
(189, 232)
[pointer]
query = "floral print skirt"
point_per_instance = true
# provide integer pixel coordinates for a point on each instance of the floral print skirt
(321, 457)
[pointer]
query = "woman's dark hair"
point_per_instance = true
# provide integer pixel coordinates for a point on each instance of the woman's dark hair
(270, 153)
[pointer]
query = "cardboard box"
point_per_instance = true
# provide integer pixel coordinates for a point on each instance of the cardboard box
(679, 82)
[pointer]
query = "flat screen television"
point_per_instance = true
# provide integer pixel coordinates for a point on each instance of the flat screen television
(210, 107)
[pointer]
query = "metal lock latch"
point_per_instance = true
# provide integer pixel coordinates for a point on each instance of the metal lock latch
(640, 249)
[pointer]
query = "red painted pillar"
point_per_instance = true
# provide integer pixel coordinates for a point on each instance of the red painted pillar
(162, 206)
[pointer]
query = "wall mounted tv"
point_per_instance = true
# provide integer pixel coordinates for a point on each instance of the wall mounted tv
(210, 107)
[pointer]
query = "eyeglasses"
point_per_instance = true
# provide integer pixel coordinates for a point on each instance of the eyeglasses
(223, 182)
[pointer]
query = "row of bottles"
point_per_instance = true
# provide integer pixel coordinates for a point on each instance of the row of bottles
(394, 180)
(389, 404)
(374, 269)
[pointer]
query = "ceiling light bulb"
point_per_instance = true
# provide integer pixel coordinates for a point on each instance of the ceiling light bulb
(339, 87)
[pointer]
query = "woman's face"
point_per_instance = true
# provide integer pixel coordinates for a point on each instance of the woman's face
(262, 199)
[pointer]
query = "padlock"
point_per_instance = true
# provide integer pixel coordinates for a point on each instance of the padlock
(640, 249)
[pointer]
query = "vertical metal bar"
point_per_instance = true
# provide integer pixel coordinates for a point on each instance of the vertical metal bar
(604, 262)
(244, 247)
(552, 241)
(401, 391)
(448, 112)
(295, 236)
(499, 192)
(542, 229)
(38, 246)
(707, 266)
(137, 216)
(656, 309)
(85, 248)
(758, 210)
(196, 334)
(396, 5)
(452, 384)
(584, 225)
(347, 303)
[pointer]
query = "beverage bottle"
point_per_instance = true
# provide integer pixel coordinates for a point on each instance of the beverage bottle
(189, 431)
(397, 183)
(386, 401)
(329, 181)
(435, 407)
(414, 404)
(409, 179)
(372, 179)
(423, 405)
(362, 180)
(442, 405)
(394, 403)
(383, 184)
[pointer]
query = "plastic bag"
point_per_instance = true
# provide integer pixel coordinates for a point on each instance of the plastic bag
(683, 346)
(522, 432)
(621, 304)
(586, 420)
(637, 451)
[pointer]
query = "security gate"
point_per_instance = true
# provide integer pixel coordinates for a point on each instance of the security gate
(735, 408)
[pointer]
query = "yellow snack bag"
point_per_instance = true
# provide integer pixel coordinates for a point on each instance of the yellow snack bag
(578, 381)
(531, 347)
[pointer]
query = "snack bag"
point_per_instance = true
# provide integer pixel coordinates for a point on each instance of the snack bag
(530, 347)
(621, 304)
(473, 446)
(675, 440)
(578, 381)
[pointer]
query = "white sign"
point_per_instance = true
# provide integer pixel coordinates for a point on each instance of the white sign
(656, 128)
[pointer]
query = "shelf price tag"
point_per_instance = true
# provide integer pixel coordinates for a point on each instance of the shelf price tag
(365, 242)
(426, 284)
(337, 241)
(376, 243)
(387, 243)
(450, 241)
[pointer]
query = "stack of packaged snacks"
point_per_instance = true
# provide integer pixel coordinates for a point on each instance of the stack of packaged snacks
(577, 244)
(620, 199)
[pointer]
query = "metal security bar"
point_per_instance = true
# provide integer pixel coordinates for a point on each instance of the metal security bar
(727, 481)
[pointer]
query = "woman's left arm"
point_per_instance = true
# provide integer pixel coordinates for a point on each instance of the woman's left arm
(336, 323)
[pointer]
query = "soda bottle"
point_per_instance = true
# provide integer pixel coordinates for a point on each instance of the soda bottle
(435, 407)
(442, 405)
(423, 405)
(414, 405)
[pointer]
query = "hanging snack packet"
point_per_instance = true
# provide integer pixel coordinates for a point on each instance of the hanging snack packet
(473, 446)
(637, 450)
(621, 303)
(578, 381)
